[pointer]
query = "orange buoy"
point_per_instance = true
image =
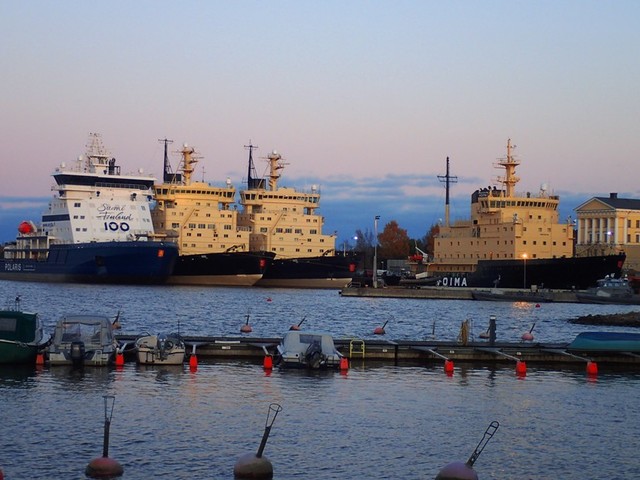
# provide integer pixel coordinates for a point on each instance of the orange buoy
(104, 467)
(448, 366)
(344, 363)
(592, 368)
(246, 328)
(521, 368)
(380, 330)
(39, 361)
(267, 363)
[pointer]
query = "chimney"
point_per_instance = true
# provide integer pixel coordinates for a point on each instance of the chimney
(613, 195)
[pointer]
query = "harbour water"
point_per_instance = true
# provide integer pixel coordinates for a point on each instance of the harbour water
(376, 421)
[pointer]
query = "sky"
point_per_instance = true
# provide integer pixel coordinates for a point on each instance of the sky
(365, 99)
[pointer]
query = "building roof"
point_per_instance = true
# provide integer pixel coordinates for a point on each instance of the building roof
(616, 203)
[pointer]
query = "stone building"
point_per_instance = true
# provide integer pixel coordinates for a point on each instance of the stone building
(609, 225)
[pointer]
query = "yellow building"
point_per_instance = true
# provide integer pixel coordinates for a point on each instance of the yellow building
(609, 225)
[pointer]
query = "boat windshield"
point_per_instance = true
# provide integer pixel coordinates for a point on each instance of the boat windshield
(88, 333)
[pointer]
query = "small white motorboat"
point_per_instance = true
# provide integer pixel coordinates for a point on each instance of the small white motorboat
(313, 350)
(81, 340)
(160, 349)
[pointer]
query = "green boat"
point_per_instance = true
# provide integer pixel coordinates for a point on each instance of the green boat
(606, 342)
(21, 335)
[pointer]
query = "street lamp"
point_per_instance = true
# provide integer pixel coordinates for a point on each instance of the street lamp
(375, 252)
(524, 259)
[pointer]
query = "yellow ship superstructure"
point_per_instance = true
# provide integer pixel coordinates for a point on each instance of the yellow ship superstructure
(199, 216)
(504, 224)
(282, 220)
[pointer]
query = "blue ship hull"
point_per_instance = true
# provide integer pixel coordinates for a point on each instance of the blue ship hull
(100, 262)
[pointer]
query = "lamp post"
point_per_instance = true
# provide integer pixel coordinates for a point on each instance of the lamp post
(375, 252)
(524, 259)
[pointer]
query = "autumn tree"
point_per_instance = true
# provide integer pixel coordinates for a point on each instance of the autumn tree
(393, 242)
(429, 239)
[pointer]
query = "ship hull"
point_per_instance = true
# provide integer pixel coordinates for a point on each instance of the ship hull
(333, 272)
(235, 269)
(98, 262)
(566, 273)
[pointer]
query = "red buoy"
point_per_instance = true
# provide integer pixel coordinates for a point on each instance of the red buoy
(193, 362)
(39, 361)
(344, 363)
(521, 368)
(448, 366)
(119, 359)
(267, 364)
(592, 368)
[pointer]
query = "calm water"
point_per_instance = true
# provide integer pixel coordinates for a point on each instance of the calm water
(378, 422)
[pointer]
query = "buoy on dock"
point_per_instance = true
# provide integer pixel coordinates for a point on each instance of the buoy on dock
(380, 330)
(592, 368)
(465, 471)
(528, 336)
(246, 328)
(255, 466)
(105, 467)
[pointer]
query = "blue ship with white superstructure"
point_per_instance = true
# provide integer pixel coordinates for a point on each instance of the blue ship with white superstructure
(97, 229)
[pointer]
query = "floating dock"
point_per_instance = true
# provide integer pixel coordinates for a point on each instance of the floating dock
(409, 352)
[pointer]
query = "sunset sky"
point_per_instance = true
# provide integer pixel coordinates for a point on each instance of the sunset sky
(364, 98)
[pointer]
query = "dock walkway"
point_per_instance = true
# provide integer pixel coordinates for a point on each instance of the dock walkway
(399, 352)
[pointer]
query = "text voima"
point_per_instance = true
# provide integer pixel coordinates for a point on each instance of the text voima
(452, 282)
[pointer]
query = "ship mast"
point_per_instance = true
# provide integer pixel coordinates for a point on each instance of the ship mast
(509, 164)
(188, 160)
(274, 166)
(168, 174)
(252, 177)
(447, 179)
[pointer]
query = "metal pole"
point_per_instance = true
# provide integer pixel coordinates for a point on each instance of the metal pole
(524, 257)
(375, 252)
